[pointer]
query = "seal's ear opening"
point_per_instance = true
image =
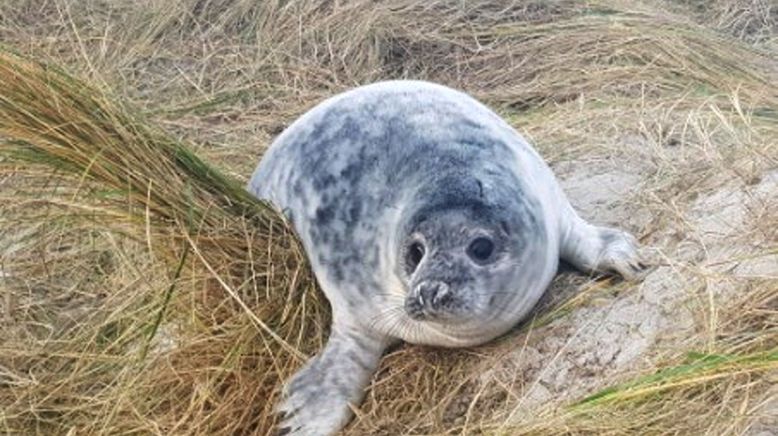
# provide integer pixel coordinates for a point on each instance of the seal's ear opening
(505, 228)
(480, 188)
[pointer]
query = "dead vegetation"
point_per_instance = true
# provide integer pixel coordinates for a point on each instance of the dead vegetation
(144, 292)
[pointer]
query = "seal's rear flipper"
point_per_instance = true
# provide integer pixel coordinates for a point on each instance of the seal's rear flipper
(318, 398)
(601, 249)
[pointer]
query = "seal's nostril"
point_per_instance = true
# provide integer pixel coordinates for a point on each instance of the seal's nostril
(442, 297)
(427, 292)
(432, 294)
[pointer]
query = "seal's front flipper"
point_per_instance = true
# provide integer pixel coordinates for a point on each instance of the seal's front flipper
(601, 249)
(318, 399)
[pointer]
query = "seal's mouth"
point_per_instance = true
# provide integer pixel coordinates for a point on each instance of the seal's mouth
(434, 316)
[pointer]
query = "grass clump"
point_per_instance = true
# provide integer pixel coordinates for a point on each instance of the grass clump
(208, 274)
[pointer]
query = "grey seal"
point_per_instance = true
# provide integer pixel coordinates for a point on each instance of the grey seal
(426, 218)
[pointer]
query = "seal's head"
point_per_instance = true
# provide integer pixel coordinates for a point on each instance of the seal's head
(465, 261)
(460, 264)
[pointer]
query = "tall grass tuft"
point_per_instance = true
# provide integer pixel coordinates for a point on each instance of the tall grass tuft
(226, 294)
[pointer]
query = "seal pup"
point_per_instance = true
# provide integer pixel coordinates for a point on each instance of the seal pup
(426, 218)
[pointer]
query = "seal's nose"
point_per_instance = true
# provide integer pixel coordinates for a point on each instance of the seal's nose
(432, 294)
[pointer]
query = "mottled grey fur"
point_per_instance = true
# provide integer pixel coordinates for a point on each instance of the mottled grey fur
(368, 173)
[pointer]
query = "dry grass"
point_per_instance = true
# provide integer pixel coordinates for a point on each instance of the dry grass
(144, 292)
(753, 21)
(178, 245)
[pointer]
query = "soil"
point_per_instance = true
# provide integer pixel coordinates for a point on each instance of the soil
(627, 328)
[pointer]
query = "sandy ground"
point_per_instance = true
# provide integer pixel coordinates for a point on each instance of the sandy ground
(626, 329)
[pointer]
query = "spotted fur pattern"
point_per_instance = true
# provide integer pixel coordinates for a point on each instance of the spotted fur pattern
(368, 172)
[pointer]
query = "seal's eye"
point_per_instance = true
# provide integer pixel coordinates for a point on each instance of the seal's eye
(481, 249)
(413, 256)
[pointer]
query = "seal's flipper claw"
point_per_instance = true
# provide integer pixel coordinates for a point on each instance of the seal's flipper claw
(317, 400)
(603, 249)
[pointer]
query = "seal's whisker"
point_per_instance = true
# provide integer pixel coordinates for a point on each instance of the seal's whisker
(381, 318)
